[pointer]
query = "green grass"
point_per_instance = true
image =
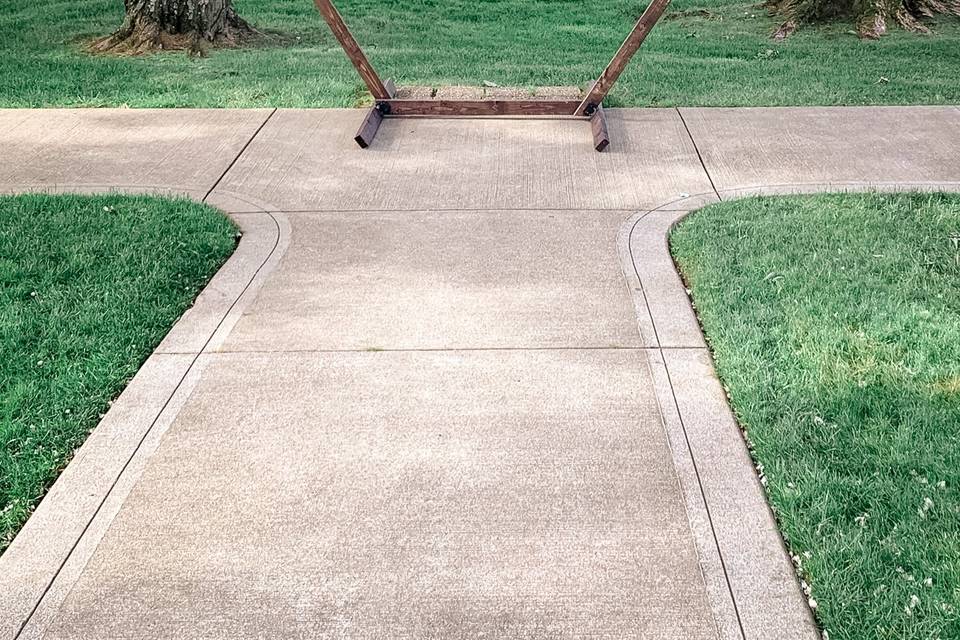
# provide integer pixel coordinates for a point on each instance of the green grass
(88, 287)
(706, 52)
(835, 324)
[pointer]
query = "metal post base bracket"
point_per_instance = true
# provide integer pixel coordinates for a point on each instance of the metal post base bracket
(389, 106)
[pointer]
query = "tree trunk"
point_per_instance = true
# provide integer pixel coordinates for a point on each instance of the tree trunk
(151, 25)
(871, 16)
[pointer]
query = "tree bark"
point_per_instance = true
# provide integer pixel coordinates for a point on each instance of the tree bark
(870, 16)
(151, 25)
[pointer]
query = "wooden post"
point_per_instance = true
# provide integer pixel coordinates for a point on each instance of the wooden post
(622, 58)
(353, 50)
(598, 124)
(387, 104)
(369, 127)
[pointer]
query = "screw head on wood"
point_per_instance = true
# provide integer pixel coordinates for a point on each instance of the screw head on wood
(383, 108)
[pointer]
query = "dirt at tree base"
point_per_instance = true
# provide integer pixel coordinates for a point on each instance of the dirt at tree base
(871, 19)
(141, 35)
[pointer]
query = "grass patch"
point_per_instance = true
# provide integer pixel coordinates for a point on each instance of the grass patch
(709, 52)
(835, 325)
(88, 288)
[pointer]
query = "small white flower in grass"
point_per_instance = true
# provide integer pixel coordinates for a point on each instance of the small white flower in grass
(942, 484)
(928, 582)
(33, 294)
(862, 519)
(914, 601)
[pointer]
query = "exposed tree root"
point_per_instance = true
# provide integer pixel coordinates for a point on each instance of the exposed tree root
(872, 18)
(142, 34)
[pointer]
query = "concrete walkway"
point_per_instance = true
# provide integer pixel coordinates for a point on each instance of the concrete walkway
(449, 387)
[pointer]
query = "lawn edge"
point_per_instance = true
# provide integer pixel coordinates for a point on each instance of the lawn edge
(66, 527)
(746, 563)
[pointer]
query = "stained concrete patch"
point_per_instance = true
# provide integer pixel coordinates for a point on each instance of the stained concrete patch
(182, 150)
(307, 160)
(420, 280)
(513, 494)
(763, 146)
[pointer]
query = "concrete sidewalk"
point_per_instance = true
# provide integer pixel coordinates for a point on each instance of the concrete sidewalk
(448, 387)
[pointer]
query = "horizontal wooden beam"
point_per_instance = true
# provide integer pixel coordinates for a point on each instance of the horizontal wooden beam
(478, 108)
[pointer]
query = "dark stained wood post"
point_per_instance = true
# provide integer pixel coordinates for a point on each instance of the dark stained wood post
(368, 128)
(353, 50)
(387, 105)
(598, 125)
(622, 58)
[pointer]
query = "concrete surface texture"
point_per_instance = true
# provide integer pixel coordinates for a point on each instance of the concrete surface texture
(447, 387)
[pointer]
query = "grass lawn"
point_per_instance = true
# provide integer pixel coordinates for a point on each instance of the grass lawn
(835, 324)
(88, 287)
(705, 52)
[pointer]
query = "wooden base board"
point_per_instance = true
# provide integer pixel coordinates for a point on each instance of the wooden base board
(554, 109)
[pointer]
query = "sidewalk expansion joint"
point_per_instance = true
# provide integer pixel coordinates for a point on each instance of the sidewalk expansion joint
(696, 148)
(373, 350)
(239, 155)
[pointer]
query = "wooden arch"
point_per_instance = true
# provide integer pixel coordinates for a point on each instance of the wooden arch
(387, 105)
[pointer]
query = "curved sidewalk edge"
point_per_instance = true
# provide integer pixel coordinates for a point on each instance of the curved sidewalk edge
(67, 525)
(747, 568)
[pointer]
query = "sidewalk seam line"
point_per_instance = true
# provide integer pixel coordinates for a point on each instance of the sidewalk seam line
(242, 151)
(703, 494)
(696, 148)
(148, 431)
(490, 209)
(683, 427)
(427, 350)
